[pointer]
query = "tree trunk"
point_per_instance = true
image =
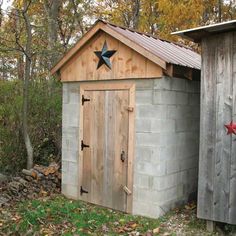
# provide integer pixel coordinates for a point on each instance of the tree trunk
(136, 13)
(219, 10)
(27, 53)
(52, 10)
(78, 17)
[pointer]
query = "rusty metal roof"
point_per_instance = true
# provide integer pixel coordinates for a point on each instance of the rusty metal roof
(168, 51)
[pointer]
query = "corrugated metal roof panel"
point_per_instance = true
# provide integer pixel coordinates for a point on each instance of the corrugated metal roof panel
(165, 50)
(196, 34)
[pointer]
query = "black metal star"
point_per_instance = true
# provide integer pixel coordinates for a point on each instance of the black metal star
(104, 56)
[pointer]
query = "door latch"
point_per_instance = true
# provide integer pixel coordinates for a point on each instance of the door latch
(83, 145)
(122, 156)
(82, 190)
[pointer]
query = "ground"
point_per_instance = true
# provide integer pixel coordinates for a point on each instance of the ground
(57, 215)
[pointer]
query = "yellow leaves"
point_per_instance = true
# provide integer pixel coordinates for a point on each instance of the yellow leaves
(156, 231)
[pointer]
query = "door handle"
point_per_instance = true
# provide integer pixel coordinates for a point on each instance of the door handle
(122, 156)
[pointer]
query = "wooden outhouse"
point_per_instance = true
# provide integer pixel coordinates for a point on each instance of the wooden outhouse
(130, 120)
(217, 165)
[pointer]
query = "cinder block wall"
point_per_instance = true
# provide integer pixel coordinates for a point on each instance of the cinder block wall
(167, 143)
(70, 139)
(167, 125)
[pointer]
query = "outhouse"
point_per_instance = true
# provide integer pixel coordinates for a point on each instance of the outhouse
(130, 130)
(217, 165)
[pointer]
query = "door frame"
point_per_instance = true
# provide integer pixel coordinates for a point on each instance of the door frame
(99, 86)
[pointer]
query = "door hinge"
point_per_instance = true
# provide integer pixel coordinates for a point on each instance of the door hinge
(83, 145)
(84, 99)
(82, 190)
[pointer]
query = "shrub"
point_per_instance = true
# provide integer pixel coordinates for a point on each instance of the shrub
(44, 120)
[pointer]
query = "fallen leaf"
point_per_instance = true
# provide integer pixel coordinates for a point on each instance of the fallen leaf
(156, 231)
(133, 225)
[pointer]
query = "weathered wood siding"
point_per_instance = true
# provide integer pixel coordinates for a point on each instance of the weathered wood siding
(217, 166)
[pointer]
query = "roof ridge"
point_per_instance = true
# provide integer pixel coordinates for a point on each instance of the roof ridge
(146, 34)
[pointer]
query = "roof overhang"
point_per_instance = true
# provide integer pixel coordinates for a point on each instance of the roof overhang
(101, 25)
(196, 34)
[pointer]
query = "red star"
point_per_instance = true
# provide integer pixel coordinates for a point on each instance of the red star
(231, 127)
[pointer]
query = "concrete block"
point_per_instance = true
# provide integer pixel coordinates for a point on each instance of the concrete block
(74, 97)
(172, 166)
(73, 168)
(156, 155)
(166, 182)
(70, 132)
(142, 181)
(151, 169)
(168, 139)
(151, 111)
(70, 155)
(163, 125)
(143, 125)
(72, 179)
(147, 195)
(181, 98)
(189, 163)
(148, 139)
(143, 153)
(168, 152)
(178, 84)
(70, 191)
(167, 195)
(186, 125)
(64, 178)
(148, 210)
(70, 115)
(193, 86)
(163, 83)
(194, 99)
(64, 167)
(70, 144)
(144, 84)
(164, 97)
(144, 96)
(177, 112)
(65, 93)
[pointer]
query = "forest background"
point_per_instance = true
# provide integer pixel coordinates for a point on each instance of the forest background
(34, 34)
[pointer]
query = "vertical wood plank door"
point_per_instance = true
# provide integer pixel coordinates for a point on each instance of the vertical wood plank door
(105, 163)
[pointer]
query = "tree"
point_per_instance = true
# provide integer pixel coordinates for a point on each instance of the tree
(28, 57)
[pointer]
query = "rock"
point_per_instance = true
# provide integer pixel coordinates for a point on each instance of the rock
(3, 178)
(3, 201)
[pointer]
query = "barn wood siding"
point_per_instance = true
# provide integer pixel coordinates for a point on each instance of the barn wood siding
(217, 167)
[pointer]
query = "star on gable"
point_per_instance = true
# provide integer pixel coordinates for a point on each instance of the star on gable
(104, 56)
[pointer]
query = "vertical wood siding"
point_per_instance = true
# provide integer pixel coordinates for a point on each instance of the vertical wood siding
(217, 166)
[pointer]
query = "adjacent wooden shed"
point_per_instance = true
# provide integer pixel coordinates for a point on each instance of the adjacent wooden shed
(217, 168)
(130, 120)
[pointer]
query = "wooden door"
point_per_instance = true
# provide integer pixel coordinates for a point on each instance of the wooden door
(105, 146)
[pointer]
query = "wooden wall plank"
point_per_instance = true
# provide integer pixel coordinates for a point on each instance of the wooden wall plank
(126, 63)
(207, 132)
(232, 197)
(223, 88)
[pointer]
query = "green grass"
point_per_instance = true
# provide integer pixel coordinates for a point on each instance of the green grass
(60, 216)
